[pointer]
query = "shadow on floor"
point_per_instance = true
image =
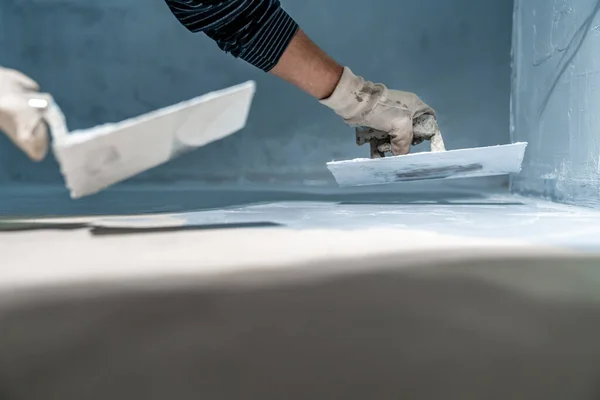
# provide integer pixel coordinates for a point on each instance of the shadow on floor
(7, 226)
(438, 202)
(425, 199)
(10, 226)
(103, 231)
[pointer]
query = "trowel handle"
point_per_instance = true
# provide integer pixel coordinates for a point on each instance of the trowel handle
(51, 113)
(55, 119)
(425, 127)
(437, 142)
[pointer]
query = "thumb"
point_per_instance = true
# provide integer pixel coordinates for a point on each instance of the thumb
(35, 143)
(23, 80)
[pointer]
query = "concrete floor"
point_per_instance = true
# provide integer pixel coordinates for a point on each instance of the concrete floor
(423, 294)
(451, 210)
(326, 225)
(496, 217)
(53, 200)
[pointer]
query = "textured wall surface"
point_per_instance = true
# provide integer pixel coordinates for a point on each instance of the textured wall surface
(106, 61)
(7, 52)
(556, 98)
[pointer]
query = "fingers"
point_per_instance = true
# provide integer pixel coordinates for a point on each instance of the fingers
(366, 134)
(417, 140)
(39, 101)
(426, 128)
(379, 147)
(401, 144)
(379, 141)
(22, 79)
(25, 124)
(398, 141)
(398, 145)
(35, 145)
(401, 138)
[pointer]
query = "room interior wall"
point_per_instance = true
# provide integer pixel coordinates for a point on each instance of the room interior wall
(110, 60)
(556, 98)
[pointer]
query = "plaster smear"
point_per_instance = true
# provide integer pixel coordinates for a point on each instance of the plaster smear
(463, 163)
(555, 98)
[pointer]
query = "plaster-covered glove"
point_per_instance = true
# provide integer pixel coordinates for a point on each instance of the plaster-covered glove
(390, 120)
(21, 118)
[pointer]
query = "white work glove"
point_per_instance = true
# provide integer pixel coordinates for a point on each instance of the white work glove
(21, 113)
(390, 120)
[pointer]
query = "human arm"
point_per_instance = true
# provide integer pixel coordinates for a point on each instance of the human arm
(389, 120)
(263, 34)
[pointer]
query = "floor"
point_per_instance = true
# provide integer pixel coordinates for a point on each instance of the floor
(303, 288)
(459, 211)
(497, 217)
(253, 227)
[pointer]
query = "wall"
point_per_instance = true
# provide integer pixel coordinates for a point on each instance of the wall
(556, 98)
(106, 61)
(7, 51)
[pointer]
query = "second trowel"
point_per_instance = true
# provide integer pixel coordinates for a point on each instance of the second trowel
(435, 164)
(93, 159)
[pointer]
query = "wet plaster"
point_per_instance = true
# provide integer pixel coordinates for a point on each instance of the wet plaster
(555, 98)
(494, 216)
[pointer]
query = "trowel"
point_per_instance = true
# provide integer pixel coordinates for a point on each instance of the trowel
(438, 163)
(93, 159)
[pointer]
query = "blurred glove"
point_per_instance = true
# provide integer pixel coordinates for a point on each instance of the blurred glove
(21, 113)
(390, 120)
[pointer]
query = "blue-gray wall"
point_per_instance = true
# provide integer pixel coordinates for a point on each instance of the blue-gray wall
(109, 60)
(556, 98)
(7, 54)
(113, 59)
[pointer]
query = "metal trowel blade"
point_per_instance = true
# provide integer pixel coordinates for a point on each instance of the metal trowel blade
(452, 164)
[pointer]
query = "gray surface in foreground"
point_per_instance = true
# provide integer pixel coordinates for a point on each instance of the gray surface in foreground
(501, 330)
(556, 97)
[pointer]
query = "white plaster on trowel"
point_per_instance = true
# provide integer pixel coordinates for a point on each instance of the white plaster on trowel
(463, 163)
(93, 159)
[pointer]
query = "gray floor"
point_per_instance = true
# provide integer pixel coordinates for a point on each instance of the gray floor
(342, 293)
(448, 208)
(46, 200)
(496, 217)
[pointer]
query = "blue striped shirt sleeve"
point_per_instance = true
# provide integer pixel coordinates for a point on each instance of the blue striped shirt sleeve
(257, 31)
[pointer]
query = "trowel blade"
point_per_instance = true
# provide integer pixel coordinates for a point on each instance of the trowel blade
(452, 164)
(91, 160)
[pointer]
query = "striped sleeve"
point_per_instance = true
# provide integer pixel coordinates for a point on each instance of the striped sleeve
(257, 31)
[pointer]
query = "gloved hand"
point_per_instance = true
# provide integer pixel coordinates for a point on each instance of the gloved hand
(21, 113)
(390, 120)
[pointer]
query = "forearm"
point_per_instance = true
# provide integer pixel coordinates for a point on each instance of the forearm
(263, 34)
(257, 31)
(306, 66)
